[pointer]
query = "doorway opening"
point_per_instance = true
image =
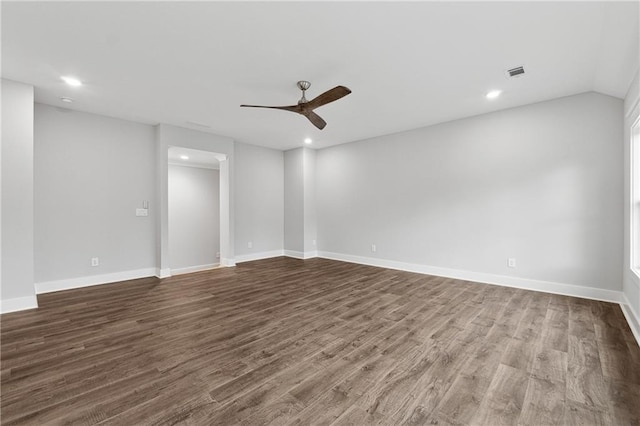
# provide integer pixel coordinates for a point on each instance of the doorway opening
(194, 209)
(635, 198)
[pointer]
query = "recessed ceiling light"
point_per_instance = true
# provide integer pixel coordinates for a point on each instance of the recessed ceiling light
(308, 141)
(71, 81)
(184, 157)
(67, 100)
(493, 94)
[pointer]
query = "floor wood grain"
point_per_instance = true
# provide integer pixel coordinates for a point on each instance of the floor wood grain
(285, 341)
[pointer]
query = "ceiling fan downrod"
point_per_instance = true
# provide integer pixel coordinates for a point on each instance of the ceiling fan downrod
(303, 85)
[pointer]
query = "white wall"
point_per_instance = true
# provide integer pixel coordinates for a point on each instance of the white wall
(540, 183)
(16, 152)
(91, 173)
(631, 282)
(194, 218)
(259, 201)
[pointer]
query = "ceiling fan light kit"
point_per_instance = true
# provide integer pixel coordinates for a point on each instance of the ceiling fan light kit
(305, 107)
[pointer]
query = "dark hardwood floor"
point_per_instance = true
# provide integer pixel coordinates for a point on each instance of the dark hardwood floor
(285, 341)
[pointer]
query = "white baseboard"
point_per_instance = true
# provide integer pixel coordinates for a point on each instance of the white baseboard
(163, 273)
(18, 304)
(30, 302)
(258, 256)
(481, 277)
(190, 269)
(294, 254)
(633, 319)
(301, 254)
(227, 262)
(276, 253)
(71, 283)
(310, 254)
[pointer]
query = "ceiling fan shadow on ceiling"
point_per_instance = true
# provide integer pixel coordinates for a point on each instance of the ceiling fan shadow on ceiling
(305, 107)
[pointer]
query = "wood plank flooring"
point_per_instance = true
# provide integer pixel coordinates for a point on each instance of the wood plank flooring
(317, 342)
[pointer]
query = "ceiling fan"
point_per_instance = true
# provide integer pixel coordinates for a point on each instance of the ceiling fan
(306, 107)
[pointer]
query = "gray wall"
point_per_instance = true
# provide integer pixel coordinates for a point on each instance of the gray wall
(167, 136)
(631, 282)
(259, 199)
(310, 201)
(294, 200)
(91, 173)
(17, 249)
(194, 217)
(300, 203)
(540, 183)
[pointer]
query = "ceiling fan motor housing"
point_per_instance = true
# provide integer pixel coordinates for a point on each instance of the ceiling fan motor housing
(303, 85)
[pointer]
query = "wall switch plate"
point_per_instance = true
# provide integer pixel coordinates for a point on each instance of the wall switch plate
(95, 261)
(511, 262)
(373, 248)
(142, 212)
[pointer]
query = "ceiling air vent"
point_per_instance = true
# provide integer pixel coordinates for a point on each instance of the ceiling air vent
(515, 72)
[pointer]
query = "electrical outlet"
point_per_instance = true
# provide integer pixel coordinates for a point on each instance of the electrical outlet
(95, 261)
(373, 248)
(511, 262)
(218, 255)
(313, 242)
(250, 244)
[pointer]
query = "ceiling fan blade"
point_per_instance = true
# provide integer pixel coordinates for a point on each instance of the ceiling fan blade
(328, 96)
(293, 108)
(316, 119)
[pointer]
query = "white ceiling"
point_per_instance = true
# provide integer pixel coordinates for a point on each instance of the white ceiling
(408, 64)
(195, 158)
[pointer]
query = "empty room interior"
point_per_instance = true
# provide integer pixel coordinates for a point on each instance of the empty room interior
(320, 213)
